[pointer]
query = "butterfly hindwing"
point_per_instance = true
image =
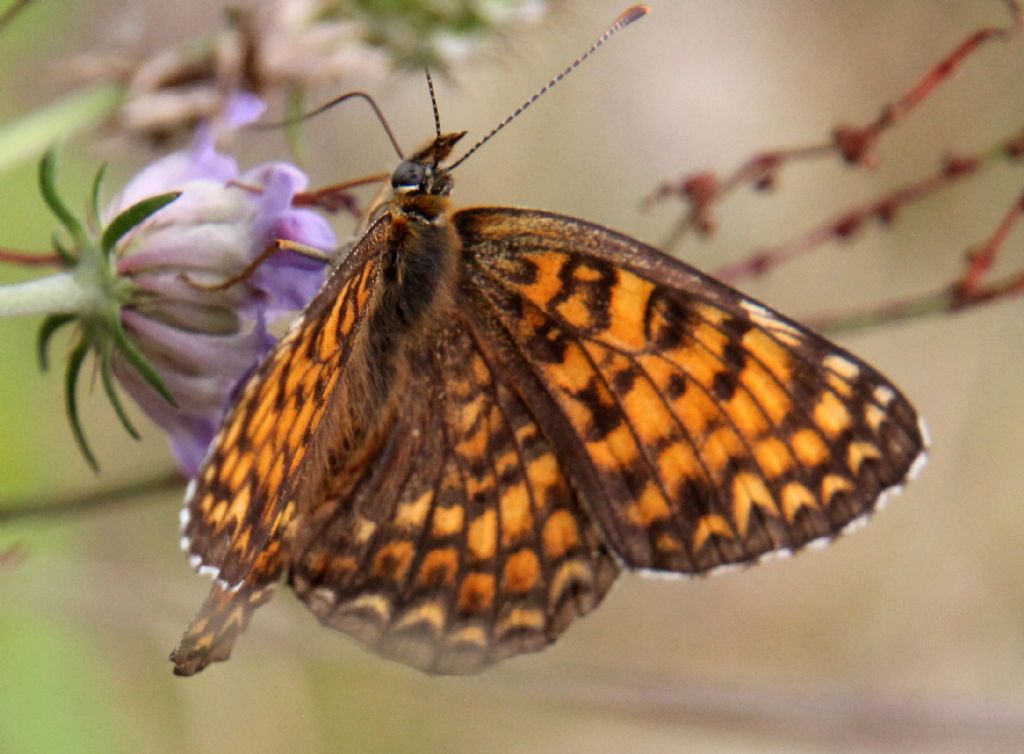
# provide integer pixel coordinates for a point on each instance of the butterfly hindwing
(458, 540)
(707, 430)
(243, 496)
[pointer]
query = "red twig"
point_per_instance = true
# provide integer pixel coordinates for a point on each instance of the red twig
(981, 259)
(849, 222)
(11, 556)
(27, 259)
(703, 190)
(856, 145)
(1008, 287)
(943, 301)
(969, 291)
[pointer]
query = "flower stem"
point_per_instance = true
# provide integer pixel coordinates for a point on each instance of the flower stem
(55, 294)
(26, 138)
(82, 502)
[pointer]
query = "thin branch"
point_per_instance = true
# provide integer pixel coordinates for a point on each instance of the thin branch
(856, 145)
(944, 301)
(703, 190)
(11, 556)
(29, 259)
(967, 292)
(847, 223)
(47, 507)
(981, 259)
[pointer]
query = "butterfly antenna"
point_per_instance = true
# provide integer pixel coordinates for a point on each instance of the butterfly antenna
(627, 17)
(333, 103)
(433, 103)
(437, 115)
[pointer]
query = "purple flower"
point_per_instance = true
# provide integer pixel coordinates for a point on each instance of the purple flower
(171, 288)
(202, 341)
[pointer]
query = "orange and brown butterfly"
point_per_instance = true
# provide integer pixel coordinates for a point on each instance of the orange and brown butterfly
(486, 415)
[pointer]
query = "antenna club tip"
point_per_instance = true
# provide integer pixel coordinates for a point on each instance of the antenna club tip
(632, 14)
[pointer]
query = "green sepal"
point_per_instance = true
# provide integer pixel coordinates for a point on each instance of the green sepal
(48, 188)
(135, 214)
(62, 251)
(71, 403)
(106, 372)
(137, 360)
(96, 195)
(50, 325)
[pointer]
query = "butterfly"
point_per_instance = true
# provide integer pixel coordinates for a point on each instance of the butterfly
(486, 415)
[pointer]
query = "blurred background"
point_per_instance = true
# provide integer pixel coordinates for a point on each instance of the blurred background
(908, 636)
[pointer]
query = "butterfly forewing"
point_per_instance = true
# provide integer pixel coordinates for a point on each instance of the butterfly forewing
(708, 429)
(234, 503)
(459, 541)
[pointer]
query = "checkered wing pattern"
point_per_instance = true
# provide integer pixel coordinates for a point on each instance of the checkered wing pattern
(455, 540)
(244, 495)
(702, 428)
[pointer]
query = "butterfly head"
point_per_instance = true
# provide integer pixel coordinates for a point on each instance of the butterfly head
(421, 174)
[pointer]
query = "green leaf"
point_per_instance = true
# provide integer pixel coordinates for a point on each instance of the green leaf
(137, 360)
(96, 195)
(71, 403)
(48, 188)
(108, 385)
(23, 138)
(135, 214)
(63, 252)
(50, 325)
(293, 131)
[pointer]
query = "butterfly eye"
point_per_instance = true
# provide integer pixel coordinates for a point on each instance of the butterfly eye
(408, 174)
